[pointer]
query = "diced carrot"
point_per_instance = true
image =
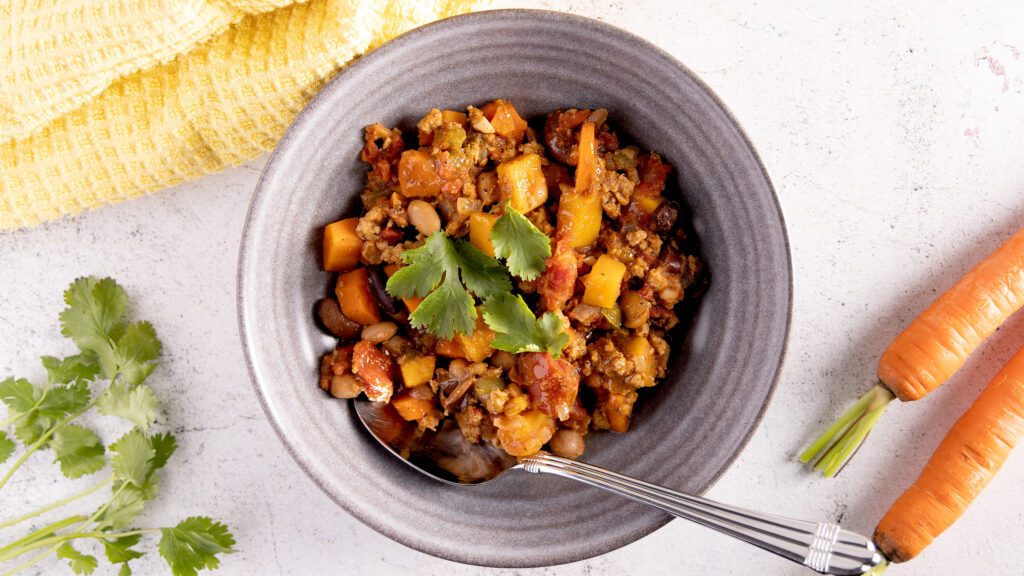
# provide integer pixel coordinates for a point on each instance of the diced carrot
(354, 295)
(480, 224)
(580, 211)
(521, 181)
(390, 269)
(604, 282)
(506, 120)
(342, 245)
(417, 175)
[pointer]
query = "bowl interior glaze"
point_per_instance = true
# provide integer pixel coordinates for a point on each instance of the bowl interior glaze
(684, 434)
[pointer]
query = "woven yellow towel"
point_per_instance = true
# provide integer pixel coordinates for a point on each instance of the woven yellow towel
(123, 97)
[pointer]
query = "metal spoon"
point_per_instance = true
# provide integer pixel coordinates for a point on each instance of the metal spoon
(447, 456)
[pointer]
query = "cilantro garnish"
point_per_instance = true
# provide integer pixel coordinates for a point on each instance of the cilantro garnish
(443, 272)
(518, 330)
(523, 246)
(124, 355)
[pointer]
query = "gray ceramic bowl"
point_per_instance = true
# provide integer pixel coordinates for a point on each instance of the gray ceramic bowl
(724, 367)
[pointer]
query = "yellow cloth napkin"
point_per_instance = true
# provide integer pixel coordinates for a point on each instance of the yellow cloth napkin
(103, 100)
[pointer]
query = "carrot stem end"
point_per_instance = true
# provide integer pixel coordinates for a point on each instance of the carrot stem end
(830, 451)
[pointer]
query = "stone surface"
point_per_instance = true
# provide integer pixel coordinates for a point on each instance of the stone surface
(892, 135)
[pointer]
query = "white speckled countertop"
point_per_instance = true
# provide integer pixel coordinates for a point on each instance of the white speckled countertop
(892, 133)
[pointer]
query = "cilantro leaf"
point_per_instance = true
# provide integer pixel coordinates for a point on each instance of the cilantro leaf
(80, 563)
(132, 457)
(63, 400)
(94, 309)
(6, 446)
(137, 405)
(136, 350)
(193, 545)
(518, 330)
(78, 450)
(426, 266)
(19, 395)
(164, 446)
(119, 550)
(523, 246)
(483, 276)
(81, 367)
(31, 427)
(127, 503)
(125, 570)
(445, 311)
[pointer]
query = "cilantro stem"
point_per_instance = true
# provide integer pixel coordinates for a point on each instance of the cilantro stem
(41, 533)
(46, 436)
(68, 500)
(57, 540)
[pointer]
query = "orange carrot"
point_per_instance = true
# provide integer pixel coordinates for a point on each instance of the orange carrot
(931, 349)
(963, 464)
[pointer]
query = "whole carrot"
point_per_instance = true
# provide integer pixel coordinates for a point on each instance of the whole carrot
(931, 349)
(963, 464)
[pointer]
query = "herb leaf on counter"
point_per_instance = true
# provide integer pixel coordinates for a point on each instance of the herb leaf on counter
(124, 354)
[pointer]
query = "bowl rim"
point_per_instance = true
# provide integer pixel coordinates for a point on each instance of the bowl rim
(368, 59)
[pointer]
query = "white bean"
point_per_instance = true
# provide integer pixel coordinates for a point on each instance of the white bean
(423, 217)
(379, 332)
(345, 386)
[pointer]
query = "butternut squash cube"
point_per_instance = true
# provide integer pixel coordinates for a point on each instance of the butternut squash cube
(416, 368)
(524, 433)
(341, 245)
(603, 282)
(477, 346)
(452, 116)
(505, 120)
(480, 224)
(521, 181)
(417, 175)
(357, 303)
(579, 217)
(413, 403)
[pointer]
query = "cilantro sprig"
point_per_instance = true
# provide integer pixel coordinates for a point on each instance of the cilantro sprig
(447, 274)
(444, 272)
(43, 418)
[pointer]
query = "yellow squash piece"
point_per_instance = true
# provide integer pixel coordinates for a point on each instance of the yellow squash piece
(603, 282)
(522, 182)
(480, 224)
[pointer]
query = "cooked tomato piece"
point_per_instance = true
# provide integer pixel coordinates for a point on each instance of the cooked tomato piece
(552, 383)
(374, 368)
(559, 278)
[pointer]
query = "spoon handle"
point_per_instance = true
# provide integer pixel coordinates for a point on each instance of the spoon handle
(821, 546)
